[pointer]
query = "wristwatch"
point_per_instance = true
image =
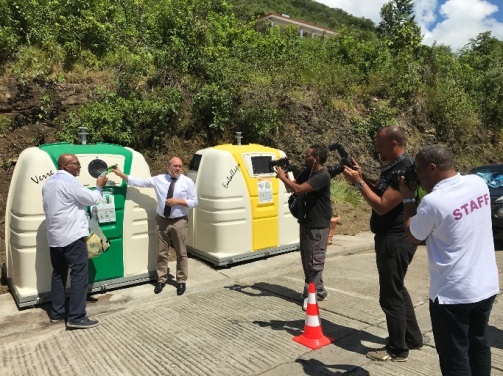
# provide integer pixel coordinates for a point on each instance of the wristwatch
(359, 184)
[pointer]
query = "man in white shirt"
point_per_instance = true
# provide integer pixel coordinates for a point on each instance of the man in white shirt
(455, 220)
(176, 195)
(64, 201)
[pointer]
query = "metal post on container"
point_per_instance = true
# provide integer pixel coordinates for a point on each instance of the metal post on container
(83, 135)
(238, 138)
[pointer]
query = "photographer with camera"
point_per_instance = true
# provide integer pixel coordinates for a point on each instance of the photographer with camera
(455, 220)
(312, 187)
(394, 251)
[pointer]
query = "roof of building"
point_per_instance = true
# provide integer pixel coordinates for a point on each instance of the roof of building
(287, 19)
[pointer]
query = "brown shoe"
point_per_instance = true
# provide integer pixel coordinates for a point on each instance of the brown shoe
(383, 355)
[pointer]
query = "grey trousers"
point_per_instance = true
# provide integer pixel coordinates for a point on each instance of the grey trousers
(174, 231)
(313, 249)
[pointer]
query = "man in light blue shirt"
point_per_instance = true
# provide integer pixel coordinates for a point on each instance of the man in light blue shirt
(64, 201)
(176, 195)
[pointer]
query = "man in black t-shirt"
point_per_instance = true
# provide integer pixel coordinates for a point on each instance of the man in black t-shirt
(394, 251)
(315, 211)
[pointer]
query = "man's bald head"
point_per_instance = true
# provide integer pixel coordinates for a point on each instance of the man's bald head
(69, 163)
(64, 159)
(175, 165)
(394, 133)
(175, 160)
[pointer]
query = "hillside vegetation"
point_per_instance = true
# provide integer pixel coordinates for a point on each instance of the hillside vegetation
(172, 76)
(156, 73)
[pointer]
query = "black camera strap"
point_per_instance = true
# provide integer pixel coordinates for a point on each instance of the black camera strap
(385, 178)
(393, 163)
(296, 198)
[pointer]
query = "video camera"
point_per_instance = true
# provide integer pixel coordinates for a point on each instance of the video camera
(282, 162)
(408, 173)
(345, 160)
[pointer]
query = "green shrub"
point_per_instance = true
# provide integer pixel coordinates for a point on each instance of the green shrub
(5, 124)
(341, 191)
(8, 43)
(451, 110)
(31, 62)
(140, 123)
(380, 116)
(213, 106)
(260, 122)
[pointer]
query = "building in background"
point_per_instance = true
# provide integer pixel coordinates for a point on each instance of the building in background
(306, 29)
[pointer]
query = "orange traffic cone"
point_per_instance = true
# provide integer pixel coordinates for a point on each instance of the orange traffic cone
(313, 335)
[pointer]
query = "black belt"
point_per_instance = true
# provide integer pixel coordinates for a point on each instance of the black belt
(174, 219)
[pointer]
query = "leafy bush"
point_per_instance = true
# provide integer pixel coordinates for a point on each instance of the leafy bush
(31, 62)
(260, 121)
(451, 110)
(482, 60)
(380, 116)
(213, 107)
(8, 43)
(341, 191)
(135, 122)
(5, 123)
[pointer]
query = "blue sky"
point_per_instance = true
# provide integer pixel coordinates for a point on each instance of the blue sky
(449, 22)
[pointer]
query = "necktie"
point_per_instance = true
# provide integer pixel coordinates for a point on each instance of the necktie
(167, 209)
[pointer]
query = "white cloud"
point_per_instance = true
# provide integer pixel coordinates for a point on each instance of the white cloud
(425, 12)
(358, 8)
(463, 20)
(449, 22)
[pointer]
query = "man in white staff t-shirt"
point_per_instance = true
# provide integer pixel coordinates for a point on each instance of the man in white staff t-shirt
(455, 220)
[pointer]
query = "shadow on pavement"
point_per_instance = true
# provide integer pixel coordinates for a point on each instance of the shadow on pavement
(314, 367)
(267, 289)
(496, 337)
(296, 327)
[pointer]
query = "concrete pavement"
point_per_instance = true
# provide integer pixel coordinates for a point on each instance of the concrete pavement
(231, 321)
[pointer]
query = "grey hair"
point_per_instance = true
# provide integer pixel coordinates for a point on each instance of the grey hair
(438, 155)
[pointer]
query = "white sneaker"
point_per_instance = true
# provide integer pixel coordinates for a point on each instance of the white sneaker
(304, 305)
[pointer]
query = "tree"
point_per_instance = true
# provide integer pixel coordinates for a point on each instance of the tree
(399, 27)
(483, 58)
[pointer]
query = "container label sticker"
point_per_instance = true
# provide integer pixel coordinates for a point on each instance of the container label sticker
(106, 208)
(264, 191)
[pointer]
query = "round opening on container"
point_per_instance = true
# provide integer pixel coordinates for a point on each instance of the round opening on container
(96, 167)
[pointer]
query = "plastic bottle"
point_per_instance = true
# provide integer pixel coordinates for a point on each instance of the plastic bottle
(108, 170)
